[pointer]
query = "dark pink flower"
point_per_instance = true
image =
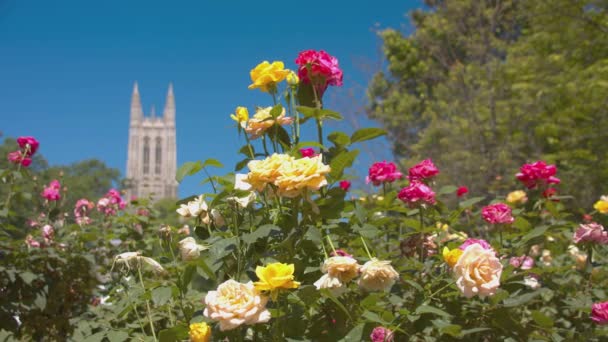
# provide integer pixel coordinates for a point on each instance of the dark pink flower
(462, 191)
(30, 144)
(592, 232)
(111, 203)
(29, 240)
(319, 69)
(17, 157)
(483, 243)
(340, 252)
(498, 213)
(81, 209)
(423, 170)
(381, 334)
(52, 192)
(307, 152)
(599, 313)
(345, 185)
(417, 193)
(537, 173)
(383, 172)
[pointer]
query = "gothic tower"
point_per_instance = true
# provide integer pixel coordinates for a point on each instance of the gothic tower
(152, 155)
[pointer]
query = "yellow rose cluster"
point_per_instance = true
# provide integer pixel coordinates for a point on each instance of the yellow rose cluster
(200, 332)
(274, 278)
(290, 176)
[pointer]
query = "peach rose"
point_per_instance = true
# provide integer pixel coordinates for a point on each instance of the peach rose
(262, 121)
(234, 304)
(340, 270)
(377, 275)
(478, 272)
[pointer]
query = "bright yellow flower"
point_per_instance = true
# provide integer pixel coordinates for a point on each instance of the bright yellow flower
(451, 256)
(602, 205)
(200, 332)
(517, 197)
(241, 115)
(274, 277)
(266, 75)
(264, 172)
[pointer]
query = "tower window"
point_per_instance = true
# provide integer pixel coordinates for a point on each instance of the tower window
(146, 155)
(158, 156)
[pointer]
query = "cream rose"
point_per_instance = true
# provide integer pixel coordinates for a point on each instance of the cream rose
(234, 304)
(377, 275)
(340, 270)
(478, 272)
(334, 285)
(189, 249)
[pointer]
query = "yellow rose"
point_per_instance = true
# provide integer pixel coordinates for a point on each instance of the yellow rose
(241, 115)
(274, 277)
(377, 275)
(602, 205)
(266, 75)
(300, 174)
(200, 332)
(517, 197)
(451, 256)
(262, 121)
(264, 172)
(234, 304)
(478, 272)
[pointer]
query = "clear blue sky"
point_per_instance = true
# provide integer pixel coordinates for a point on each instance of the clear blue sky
(67, 67)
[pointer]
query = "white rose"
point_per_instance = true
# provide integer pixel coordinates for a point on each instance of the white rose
(377, 275)
(189, 249)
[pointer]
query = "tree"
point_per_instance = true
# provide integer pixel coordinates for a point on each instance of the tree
(484, 86)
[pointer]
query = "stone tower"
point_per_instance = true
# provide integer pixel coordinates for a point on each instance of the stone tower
(152, 155)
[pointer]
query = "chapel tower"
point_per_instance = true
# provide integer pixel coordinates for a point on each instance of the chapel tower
(152, 155)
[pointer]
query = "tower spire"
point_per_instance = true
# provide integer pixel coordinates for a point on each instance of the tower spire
(136, 111)
(169, 113)
(153, 112)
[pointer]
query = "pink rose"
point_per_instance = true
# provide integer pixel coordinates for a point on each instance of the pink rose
(537, 173)
(382, 172)
(307, 152)
(29, 240)
(592, 232)
(524, 262)
(340, 252)
(29, 143)
(345, 185)
(483, 243)
(51, 192)
(48, 232)
(382, 334)
(599, 313)
(320, 69)
(417, 193)
(423, 170)
(461, 191)
(498, 213)
(17, 157)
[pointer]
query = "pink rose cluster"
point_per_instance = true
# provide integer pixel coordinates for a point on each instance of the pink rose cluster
(498, 213)
(592, 232)
(383, 172)
(468, 242)
(52, 192)
(81, 210)
(599, 313)
(524, 262)
(307, 152)
(111, 203)
(28, 146)
(422, 171)
(319, 69)
(381, 334)
(537, 173)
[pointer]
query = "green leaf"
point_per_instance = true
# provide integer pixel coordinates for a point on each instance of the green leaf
(329, 295)
(366, 134)
(538, 231)
(320, 114)
(188, 169)
(373, 317)
(260, 232)
(212, 162)
(356, 334)
(28, 277)
(422, 309)
(471, 201)
(341, 162)
(448, 189)
(177, 333)
(518, 300)
(240, 165)
(276, 111)
(339, 139)
(303, 144)
(161, 295)
(542, 319)
(117, 336)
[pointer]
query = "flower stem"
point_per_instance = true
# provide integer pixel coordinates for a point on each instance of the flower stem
(141, 280)
(421, 236)
(331, 243)
(365, 246)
